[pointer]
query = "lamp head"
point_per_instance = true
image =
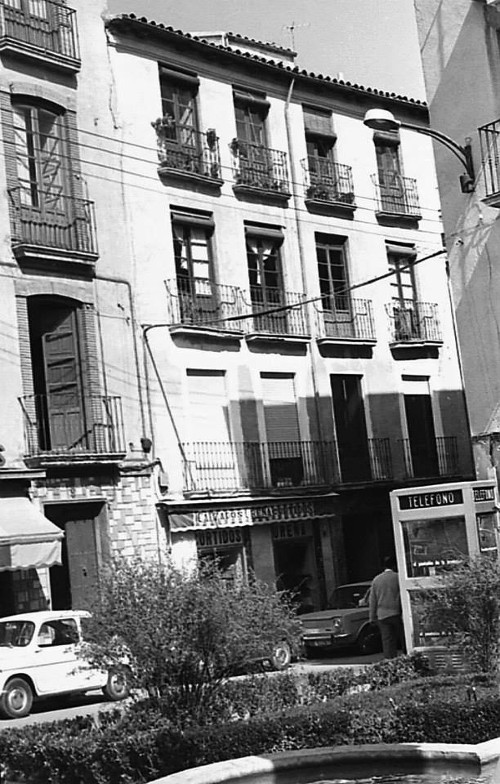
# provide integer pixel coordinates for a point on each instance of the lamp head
(381, 120)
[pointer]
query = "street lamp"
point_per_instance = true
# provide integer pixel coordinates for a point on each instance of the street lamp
(383, 120)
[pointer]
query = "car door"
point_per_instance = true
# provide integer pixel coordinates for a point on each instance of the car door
(55, 657)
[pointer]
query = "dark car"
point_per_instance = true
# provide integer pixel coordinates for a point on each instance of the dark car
(346, 622)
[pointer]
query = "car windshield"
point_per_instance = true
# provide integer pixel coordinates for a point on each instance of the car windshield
(348, 596)
(16, 634)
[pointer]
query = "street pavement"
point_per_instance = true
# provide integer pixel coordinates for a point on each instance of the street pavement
(92, 703)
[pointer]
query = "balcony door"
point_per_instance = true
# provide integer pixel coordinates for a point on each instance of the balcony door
(57, 376)
(180, 119)
(403, 293)
(265, 277)
(331, 254)
(283, 443)
(255, 163)
(196, 291)
(389, 174)
(420, 427)
(350, 428)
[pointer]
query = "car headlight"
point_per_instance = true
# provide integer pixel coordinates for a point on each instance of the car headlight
(337, 625)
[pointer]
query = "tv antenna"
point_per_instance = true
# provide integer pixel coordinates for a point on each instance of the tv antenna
(292, 27)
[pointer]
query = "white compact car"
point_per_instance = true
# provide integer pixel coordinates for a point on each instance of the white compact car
(39, 658)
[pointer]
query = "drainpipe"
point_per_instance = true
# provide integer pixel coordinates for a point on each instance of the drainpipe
(300, 235)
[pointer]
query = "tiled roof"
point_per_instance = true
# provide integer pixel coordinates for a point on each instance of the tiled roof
(133, 22)
(251, 41)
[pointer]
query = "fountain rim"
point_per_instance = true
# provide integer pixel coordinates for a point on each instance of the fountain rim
(480, 755)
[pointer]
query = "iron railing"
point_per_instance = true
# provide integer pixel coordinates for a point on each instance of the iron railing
(489, 138)
(258, 166)
(426, 458)
(199, 302)
(291, 321)
(370, 461)
(414, 321)
(329, 181)
(51, 219)
(396, 195)
(343, 318)
(47, 25)
(224, 466)
(183, 148)
(64, 424)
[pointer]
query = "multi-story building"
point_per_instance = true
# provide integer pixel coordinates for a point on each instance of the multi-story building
(228, 325)
(461, 60)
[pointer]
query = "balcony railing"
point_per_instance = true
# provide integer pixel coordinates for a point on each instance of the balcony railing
(52, 220)
(199, 302)
(328, 181)
(370, 461)
(430, 458)
(489, 138)
(343, 318)
(291, 321)
(257, 166)
(413, 321)
(47, 25)
(396, 195)
(64, 425)
(225, 466)
(184, 149)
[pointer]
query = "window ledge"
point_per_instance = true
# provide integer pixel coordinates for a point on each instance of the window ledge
(29, 51)
(404, 220)
(414, 343)
(341, 209)
(492, 200)
(182, 175)
(262, 194)
(333, 341)
(42, 255)
(254, 337)
(56, 458)
(208, 331)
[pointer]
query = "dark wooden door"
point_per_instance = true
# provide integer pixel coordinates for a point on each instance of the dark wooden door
(421, 435)
(350, 427)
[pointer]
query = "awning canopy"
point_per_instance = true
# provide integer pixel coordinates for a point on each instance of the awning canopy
(27, 538)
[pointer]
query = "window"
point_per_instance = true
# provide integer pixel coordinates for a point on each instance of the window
(320, 143)
(256, 166)
(264, 273)
(250, 113)
(332, 271)
(392, 196)
(40, 154)
(178, 101)
(403, 292)
(421, 455)
(350, 428)
(193, 264)
(282, 429)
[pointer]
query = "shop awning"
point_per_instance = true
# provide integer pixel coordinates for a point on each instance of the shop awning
(27, 538)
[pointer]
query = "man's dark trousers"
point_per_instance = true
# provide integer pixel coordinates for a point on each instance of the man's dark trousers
(390, 631)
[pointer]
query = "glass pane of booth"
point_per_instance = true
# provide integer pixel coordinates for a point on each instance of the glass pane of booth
(486, 533)
(433, 545)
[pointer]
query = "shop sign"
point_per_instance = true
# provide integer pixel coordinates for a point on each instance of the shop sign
(219, 537)
(430, 500)
(231, 518)
(484, 493)
(293, 530)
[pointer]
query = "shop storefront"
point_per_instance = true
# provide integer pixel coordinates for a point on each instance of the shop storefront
(288, 542)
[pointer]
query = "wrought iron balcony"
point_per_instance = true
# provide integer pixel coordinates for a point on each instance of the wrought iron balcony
(183, 149)
(62, 425)
(40, 27)
(49, 219)
(489, 138)
(289, 322)
(370, 461)
(342, 318)
(430, 458)
(328, 181)
(396, 195)
(226, 466)
(198, 302)
(414, 322)
(257, 166)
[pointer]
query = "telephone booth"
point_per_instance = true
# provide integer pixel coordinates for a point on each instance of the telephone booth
(434, 528)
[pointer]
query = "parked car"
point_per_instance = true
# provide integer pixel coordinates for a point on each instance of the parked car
(39, 658)
(345, 623)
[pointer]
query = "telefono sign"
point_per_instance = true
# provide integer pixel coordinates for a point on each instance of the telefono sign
(431, 500)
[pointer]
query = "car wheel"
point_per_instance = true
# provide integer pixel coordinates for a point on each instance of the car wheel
(117, 686)
(369, 641)
(281, 656)
(16, 699)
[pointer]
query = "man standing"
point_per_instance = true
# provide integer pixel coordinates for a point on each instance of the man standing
(385, 607)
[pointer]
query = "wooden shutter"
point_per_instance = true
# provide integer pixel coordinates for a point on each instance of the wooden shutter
(318, 122)
(280, 407)
(208, 406)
